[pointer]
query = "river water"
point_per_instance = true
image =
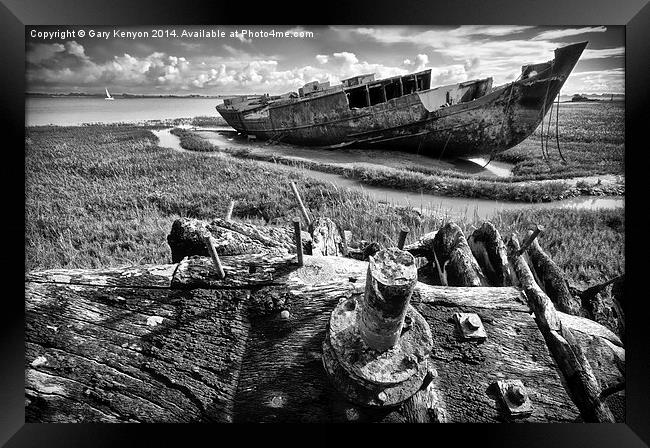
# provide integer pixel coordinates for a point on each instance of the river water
(426, 203)
(73, 111)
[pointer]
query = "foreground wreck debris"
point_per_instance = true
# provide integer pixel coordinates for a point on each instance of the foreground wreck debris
(334, 338)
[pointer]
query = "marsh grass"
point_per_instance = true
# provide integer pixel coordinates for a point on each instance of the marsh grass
(99, 196)
(403, 179)
(591, 141)
(189, 140)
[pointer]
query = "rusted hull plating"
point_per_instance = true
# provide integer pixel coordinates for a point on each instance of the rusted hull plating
(492, 122)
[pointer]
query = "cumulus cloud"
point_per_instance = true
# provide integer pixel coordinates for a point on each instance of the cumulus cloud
(454, 54)
(70, 66)
(596, 81)
(421, 61)
(346, 57)
(479, 53)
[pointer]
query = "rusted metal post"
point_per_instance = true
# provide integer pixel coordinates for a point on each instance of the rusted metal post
(529, 240)
(230, 209)
(402, 237)
(211, 245)
(298, 237)
(392, 275)
(303, 210)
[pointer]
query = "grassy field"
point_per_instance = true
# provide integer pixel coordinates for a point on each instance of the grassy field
(100, 196)
(591, 137)
(592, 140)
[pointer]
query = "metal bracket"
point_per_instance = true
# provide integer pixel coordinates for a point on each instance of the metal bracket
(470, 326)
(514, 396)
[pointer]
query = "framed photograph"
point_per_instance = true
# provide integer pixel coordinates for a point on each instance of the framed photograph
(414, 214)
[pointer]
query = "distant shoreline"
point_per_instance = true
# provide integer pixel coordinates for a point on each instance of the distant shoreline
(124, 96)
(590, 97)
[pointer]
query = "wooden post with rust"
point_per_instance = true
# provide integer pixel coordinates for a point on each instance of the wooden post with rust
(230, 209)
(303, 210)
(211, 245)
(574, 366)
(391, 277)
(298, 238)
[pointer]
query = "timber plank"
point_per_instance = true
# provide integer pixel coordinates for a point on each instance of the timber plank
(514, 349)
(156, 356)
(145, 276)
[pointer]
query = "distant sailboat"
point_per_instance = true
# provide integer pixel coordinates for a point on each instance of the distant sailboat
(108, 95)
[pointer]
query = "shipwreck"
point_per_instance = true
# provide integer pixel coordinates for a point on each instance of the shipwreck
(459, 120)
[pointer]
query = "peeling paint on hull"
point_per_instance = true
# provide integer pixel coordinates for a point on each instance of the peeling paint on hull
(488, 124)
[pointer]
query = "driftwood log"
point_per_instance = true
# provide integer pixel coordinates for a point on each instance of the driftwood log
(453, 256)
(490, 253)
(567, 352)
(604, 303)
(231, 238)
(327, 238)
(551, 279)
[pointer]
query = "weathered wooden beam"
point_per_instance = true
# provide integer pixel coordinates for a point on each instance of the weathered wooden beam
(241, 271)
(231, 238)
(569, 356)
(143, 276)
(455, 259)
(116, 354)
(490, 253)
(326, 238)
(226, 355)
(604, 303)
(423, 247)
(552, 278)
(392, 275)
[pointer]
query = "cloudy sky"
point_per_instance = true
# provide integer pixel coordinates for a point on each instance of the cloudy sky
(229, 64)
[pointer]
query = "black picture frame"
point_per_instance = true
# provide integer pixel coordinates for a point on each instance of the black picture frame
(15, 14)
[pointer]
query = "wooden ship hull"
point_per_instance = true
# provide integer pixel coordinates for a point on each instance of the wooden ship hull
(460, 120)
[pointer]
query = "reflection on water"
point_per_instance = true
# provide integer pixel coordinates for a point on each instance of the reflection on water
(426, 203)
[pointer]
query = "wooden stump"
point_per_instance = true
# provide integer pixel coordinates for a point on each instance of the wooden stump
(490, 253)
(327, 238)
(455, 258)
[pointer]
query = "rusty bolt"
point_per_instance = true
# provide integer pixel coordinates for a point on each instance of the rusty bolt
(516, 394)
(473, 322)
